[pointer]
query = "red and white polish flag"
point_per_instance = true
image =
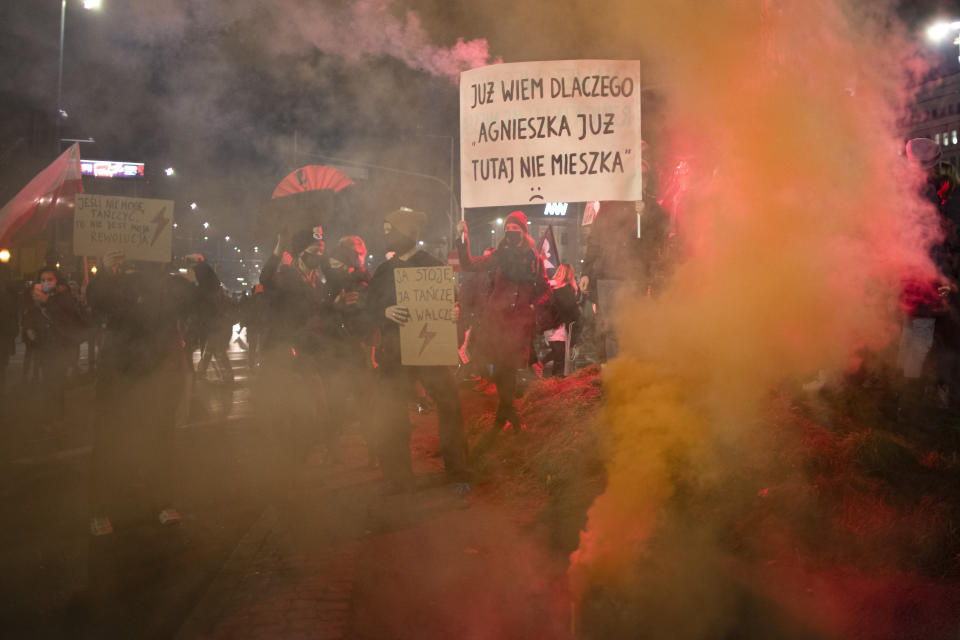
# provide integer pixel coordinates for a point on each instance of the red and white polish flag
(51, 194)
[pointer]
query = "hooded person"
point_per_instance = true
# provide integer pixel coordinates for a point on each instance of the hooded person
(344, 354)
(402, 229)
(346, 277)
(507, 321)
(293, 285)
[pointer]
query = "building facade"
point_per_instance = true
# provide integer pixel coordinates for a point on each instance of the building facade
(935, 114)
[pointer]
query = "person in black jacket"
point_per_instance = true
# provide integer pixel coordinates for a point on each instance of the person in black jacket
(295, 327)
(343, 352)
(55, 323)
(141, 375)
(402, 228)
(214, 315)
(508, 320)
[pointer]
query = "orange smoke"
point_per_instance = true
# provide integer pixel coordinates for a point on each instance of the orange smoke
(800, 236)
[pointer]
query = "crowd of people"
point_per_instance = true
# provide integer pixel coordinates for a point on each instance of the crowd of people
(322, 340)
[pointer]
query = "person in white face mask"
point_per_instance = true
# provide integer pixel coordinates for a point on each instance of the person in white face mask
(55, 324)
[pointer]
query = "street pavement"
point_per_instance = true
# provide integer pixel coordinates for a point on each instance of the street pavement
(266, 549)
(59, 581)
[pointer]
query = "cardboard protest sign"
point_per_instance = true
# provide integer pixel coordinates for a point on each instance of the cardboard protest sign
(535, 132)
(140, 227)
(430, 336)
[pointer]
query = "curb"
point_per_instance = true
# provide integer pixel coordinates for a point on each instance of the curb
(216, 594)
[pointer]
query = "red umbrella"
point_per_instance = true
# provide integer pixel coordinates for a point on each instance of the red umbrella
(312, 178)
(307, 197)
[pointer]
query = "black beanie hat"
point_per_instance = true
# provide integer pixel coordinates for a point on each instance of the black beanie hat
(303, 239)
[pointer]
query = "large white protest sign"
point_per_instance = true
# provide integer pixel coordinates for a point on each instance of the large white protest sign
(536, 132)
(430, 337)
(140, 227)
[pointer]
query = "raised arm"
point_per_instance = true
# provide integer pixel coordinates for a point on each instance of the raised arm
(467, 263)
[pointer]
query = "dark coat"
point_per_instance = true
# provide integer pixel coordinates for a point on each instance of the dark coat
(144, 313)
(295, 307)
(508, 319)
(614, 252)
(346, 327)
(567, 302)
(57, 322)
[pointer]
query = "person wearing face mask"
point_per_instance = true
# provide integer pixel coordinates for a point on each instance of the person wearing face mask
(293, 284)
(343, 354)
(56, 323)
(293, 336)
(402, 231)
(508, 319)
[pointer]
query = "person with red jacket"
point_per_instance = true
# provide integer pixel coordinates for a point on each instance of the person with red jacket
(508, 319)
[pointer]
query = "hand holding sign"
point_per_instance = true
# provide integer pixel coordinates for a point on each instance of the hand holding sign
(396, 313)
(426, 313)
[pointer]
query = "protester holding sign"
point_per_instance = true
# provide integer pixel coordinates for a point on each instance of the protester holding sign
(402, 229)
(507, 322)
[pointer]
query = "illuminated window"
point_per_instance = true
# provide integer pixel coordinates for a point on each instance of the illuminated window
(945, 138)
(936, 138)
(953, 136)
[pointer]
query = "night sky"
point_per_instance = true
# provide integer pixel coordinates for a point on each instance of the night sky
(219, 88)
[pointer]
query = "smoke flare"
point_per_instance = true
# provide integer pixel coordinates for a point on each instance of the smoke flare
(798, 237)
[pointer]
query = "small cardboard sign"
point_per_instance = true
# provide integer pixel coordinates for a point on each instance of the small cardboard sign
(140, 227)
(429, 338)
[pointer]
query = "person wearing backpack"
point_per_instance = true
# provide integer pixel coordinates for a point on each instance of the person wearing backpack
(566, 311)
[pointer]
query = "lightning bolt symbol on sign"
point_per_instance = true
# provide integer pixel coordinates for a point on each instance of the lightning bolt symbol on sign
(427, 336)
(161, 221)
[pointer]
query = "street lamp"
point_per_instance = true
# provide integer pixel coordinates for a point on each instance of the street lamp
(4, 256)
(939, 31)
(61, 114)
(193, 206)
(170, 171)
